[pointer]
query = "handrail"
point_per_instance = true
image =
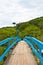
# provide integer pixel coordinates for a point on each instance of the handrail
(39, 43)
(34, 50)
(9, 47)
(7, 40)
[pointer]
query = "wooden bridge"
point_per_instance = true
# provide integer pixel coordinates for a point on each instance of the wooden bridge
(22, 54)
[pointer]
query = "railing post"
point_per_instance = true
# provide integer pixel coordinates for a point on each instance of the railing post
(9, 46)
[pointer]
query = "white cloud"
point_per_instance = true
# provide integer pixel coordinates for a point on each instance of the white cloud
(19, 11)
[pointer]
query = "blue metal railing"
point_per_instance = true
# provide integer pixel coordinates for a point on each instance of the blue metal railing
(15, 40)
(30, 40)
(33, 41)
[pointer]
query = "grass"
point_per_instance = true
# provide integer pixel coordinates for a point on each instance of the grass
(2, 62)
(2, 49)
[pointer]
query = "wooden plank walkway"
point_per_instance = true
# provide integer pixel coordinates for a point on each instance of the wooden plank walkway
(21, 55)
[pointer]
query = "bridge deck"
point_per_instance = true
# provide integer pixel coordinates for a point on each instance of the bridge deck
(21, 55)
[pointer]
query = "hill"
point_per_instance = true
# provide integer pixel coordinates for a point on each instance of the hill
(31, 28)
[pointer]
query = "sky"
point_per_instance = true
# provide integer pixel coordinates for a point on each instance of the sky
(19, 11)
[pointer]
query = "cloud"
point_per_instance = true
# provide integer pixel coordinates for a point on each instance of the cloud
(19, 11)
(31, 3)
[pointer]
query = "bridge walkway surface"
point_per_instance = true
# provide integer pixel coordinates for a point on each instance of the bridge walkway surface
(21, 55)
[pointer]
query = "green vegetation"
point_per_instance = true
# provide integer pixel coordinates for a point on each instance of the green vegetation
(2, 49)
(30, 28)
(7, 32)
(2, 62)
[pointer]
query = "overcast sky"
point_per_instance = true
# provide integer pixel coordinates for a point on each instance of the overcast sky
(19, 11)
